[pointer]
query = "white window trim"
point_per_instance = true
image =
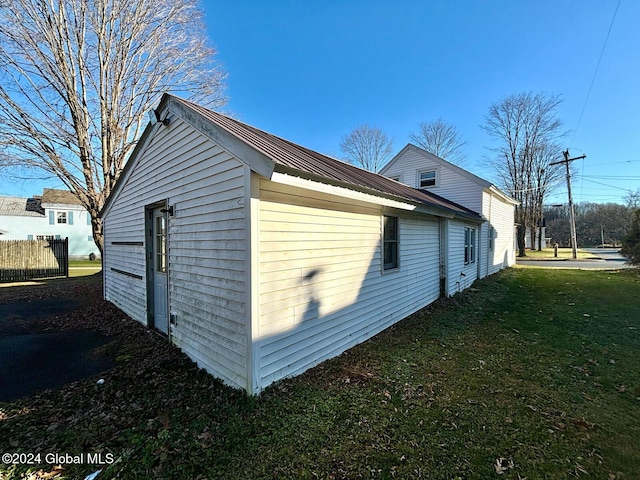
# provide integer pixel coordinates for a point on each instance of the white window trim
(436, 172)
(470, 239)
(61, 215)
(383, 266)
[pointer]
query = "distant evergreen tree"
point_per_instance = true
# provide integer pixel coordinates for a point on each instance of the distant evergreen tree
(631, 244)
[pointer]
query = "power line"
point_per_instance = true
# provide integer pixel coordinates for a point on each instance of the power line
(595, 73)
(611, 177)
(572, 214)
(613, 163)
(593, 78)
(606, 185)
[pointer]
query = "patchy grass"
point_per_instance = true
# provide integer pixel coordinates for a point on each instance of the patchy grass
(563, 254)
(86, 263)
(533, 374)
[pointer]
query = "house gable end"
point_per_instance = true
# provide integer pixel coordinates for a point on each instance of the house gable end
(433, 160)
(168, 106)
(257, 161)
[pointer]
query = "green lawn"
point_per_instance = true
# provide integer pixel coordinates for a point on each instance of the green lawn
(85, 263)
(563, 254)
(533, 373)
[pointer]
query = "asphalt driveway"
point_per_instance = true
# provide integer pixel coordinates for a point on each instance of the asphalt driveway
(34, 358)
(603, 259)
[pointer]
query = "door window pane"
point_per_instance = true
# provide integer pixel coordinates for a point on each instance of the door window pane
(161, 244)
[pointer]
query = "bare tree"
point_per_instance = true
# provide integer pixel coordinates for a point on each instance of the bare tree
(367, 147)
(77, 78)
(441, 139)
(527, 130)
(544, 178)
(632, 199)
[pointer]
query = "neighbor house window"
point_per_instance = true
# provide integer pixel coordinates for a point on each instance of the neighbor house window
(469, 245)
(61, 217)
(390, 242)
(44, 237)
(426, 179)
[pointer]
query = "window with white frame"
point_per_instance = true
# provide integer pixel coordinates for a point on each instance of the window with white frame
(61, 217)
(427, 178)
(44, 237)
(469, 245)
(390, 242)
(492, 236)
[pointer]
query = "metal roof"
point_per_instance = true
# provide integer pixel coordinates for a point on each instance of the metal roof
(20, 207)
(290, 156)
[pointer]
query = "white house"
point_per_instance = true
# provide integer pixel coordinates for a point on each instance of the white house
(496, 237)
(261, 258)
(56, 214)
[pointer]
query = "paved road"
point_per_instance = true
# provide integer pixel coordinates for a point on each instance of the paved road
(604, 259)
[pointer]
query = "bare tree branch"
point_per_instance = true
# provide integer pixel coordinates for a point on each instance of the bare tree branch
(78, 76)
(526, 129)
(440, 139)
(367, 147)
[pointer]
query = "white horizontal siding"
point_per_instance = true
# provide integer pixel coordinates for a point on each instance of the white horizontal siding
(207, 246)
(450, 183)
(321, 288)
(460, 275)
(500, 216)
(464, 190)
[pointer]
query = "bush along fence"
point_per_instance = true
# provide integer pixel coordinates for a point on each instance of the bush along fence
(22, 260)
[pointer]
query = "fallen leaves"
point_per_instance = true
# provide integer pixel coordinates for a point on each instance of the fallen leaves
(56, 471)
(503, 464)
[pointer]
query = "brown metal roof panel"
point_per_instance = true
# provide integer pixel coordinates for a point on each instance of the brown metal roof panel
(296, 157)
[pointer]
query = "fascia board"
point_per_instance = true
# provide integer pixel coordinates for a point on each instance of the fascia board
(257, 161)
(499, 193)
(293, 180)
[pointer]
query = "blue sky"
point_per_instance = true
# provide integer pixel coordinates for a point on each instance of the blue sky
(310, 71)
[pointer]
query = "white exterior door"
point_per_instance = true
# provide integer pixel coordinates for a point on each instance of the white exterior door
(159, 262)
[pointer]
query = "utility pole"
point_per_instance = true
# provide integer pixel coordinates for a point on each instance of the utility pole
(572, 213)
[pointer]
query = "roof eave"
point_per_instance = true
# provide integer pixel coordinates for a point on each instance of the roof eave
(496, 191)
(297, 178)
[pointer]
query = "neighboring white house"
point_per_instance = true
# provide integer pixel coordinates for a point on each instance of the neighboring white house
(56, 214)
(260, 258)
(418, 168)
(546, 241)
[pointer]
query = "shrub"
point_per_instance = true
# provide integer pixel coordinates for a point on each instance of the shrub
(631, 243)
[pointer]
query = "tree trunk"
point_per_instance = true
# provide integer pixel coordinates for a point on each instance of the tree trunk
(532, 237)
(520, 236)
(540, 237)
(97, 233)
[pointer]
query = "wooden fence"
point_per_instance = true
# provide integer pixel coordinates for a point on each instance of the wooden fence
(22, 260)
